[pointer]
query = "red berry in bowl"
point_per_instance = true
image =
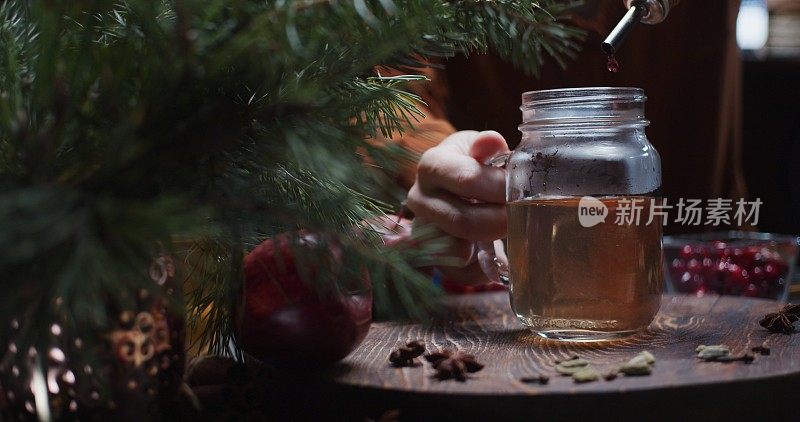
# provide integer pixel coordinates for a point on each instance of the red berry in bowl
(737, 279)
(709, 268)
(757, 274)
(738, 255)
(771, 272)
(686, 252)
(716, 275)
(751, 291)
(693, 266)
(677, 267)
(689, 282)
(700, 252)
(754, 270)
(779, 264)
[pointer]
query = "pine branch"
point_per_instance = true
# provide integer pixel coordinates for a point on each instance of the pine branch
(125, 125)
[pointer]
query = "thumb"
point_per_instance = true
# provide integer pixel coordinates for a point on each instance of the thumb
(486, 145)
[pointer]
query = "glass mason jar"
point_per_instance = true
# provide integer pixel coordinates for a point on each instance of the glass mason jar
(584, 222)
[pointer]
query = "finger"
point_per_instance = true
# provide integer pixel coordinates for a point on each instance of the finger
(486, 145)
(443, 169)
(456, 217)
(455, 252)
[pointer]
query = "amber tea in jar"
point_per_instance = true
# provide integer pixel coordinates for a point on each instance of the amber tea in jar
(584, 245)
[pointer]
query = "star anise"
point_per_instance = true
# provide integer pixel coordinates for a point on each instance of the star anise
(404, 355)
(456, 365)
(783, 320)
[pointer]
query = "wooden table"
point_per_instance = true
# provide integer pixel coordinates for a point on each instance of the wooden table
(681, 386)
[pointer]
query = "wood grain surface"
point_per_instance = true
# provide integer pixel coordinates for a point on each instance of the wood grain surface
(681, 386)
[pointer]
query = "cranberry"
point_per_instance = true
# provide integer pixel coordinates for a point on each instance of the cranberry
(737, 279)
(753, 250)
(686, 252)
(778, 263)
(678, 266)
(747, 257)
(689, 283)
(702, 291)
(716, 275)
(757, 274)
(751, 291)
(693, 266)
(757, 254)
(751, 271)
(771, 272)
(700, 251)
(709, 268)
(699, 281)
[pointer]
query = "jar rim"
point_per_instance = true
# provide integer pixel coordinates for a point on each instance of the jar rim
(560, 96)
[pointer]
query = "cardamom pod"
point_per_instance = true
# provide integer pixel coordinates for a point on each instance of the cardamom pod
(636, 366)
(572, 366)
(648, 357)
(641, 364)
(586, 374)
(638, 360)
(712, 352)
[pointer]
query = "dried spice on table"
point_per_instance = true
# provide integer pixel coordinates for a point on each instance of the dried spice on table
(762, 350)
(721, 353)
(453, 364)
(587, 374)
(571, 366)
(783, 320)
(641, 364)
(579, 369)
(404, 356)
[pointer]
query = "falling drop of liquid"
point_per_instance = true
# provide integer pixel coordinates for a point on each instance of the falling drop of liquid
(613, 64)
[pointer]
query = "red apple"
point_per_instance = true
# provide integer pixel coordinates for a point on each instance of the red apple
(287, 322)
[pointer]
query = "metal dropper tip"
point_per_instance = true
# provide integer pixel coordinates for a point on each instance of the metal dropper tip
(620, 32)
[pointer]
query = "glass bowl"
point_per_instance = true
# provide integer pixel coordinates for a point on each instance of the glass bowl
(730, 263)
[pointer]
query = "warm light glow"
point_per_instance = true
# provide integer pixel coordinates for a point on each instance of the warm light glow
(752, 25)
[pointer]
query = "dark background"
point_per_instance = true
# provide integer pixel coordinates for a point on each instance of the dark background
(771, 147)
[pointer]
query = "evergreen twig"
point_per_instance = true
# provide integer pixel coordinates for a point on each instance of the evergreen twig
(125, 125)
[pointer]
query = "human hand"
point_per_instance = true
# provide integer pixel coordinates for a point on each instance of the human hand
(462, 198)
